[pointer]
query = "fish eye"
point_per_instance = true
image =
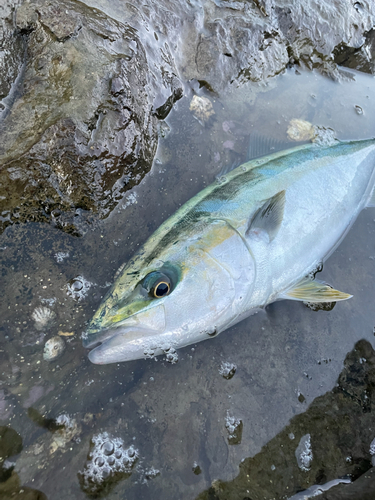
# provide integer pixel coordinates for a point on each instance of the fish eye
(157, 284)
(161, 289)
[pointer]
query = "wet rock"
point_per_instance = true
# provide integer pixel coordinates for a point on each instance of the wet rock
(12, 49)
(10, 485)
(10, 444)
(12, 489)
(227, 370)
(363, 488)
(360, 58)
(196, 469)
(234, 427)
(265, 37)
(335, 437)
(87, 96)
(68, 430)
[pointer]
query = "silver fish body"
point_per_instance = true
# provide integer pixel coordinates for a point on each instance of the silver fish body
(247, 240)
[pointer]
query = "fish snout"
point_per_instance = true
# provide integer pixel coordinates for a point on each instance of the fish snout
(127, 345)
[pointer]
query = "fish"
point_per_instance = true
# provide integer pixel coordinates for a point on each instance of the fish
(254, 236)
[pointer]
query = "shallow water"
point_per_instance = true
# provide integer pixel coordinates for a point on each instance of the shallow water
(175, 415)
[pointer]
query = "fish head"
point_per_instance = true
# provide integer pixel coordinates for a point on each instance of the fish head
(170, 296)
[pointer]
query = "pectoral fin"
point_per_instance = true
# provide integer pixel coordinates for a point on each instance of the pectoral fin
(308, 290)
(268, 218)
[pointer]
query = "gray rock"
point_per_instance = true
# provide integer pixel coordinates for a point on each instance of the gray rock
(81, 128)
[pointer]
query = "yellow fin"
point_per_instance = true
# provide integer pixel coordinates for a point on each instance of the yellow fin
(308, 290)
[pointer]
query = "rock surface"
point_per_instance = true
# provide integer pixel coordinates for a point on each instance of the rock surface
(81, 128)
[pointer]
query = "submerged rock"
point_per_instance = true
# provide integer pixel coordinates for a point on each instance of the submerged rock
(80, 129)
(335, 440)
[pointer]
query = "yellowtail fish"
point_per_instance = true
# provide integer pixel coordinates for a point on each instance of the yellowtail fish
(253, 237)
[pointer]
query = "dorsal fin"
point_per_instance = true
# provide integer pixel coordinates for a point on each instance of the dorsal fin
(267, 219)
(260, 145)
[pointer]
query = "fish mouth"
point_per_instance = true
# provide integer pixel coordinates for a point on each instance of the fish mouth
(126, 340)
(92, 338)
(115, 345)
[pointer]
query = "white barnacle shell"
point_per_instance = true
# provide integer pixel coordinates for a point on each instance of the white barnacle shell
(43, 317)
(53, 348)
(300, 130)
(202, 108)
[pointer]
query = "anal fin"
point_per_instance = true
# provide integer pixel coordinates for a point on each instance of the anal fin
(308, 290)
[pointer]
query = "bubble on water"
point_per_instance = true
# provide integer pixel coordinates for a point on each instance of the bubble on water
(78, 287)
(60, 256)
(324, 136)
(210, 331)
(227, 370)
(43, 317)
(130, 200)
(163, 129)
(171, 355)
(372, 447)
(108, 462)
(221, 180)
(108, 447)
(234, 427)
(149, 353)
(99, 461)
(304, 454)
(151, 473)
